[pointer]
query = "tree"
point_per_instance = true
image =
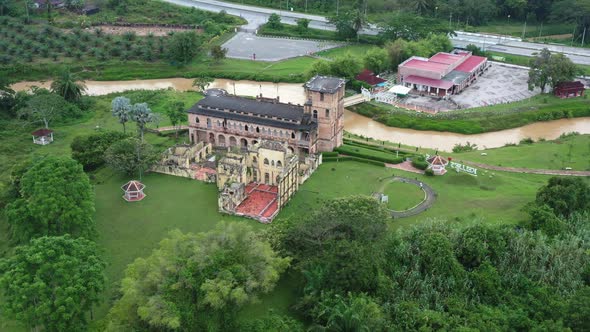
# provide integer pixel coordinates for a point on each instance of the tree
(397, 52)
(55, 198)
(475, 50)
(547, 68)
(121, 108)
(183, 47)
(89, 150)
(565, 195)
(579, 311)
(218, 53)
(561, 69)
(376, 60)
(130, 156)
(177, 114)
(202, 82)
(141, 114)
(7, 96)
(346, 66)
(344, 25)
(274, 21)
(542, 218)
(52, 282)
(303, 24)
(197, 281)
(68, 86)
(350, 313)
(45, 108)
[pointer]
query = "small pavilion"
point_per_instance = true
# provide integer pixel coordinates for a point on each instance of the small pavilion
(133, 191)
(437, 164)
(42, 136)
(569, 89)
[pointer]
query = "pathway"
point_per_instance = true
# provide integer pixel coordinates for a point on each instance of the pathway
(529, 170)
(405, 166)
(423, 206)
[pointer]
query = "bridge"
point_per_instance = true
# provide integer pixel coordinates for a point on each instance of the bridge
(356, 99)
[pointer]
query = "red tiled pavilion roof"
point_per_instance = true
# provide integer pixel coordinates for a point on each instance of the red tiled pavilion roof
(133, 185)
(42, 132)
(437, 160)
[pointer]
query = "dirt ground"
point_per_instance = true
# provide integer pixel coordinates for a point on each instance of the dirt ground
(140, 31)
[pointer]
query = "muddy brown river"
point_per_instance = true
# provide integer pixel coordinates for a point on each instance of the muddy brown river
(354, 123)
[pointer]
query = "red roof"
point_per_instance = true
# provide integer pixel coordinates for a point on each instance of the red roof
(446, 58)
(369, 77)
(437, 160)
(469, 65)
(439, 68)
(42, 132)
(570, 85)
(133, 185)
(428, 82)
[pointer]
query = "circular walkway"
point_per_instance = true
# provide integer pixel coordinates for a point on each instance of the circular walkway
(423, 206)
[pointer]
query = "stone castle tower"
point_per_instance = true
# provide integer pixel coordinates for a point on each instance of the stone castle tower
(325, 104)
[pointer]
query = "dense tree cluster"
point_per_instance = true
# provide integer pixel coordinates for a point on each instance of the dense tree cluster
(357, 276)
(197, 281)
(549, 69)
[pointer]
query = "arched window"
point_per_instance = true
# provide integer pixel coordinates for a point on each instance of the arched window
(254, 159)
(208, 123)
(275, 133)
(197, 119)
(246, 127)
(279, 164)
(266, 161)
(257, 129)
(272, 163)
(327, 113)
(315, 114)
(218, 123)
(293, 135)
(264, 131)
(281, 133)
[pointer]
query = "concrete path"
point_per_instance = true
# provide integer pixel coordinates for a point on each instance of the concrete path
(430, 198)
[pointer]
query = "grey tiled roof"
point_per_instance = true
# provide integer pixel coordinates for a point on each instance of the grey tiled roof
(303, 123)
(325, 84)
(239, 104)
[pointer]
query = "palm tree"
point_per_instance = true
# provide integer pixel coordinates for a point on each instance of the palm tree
(66, 85)
(121, 108)
(142, 115)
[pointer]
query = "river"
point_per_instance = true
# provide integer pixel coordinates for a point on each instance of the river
(354, 123)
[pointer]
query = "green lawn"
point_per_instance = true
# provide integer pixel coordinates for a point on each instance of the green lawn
(402, 196)
(516, 28)
(570, 151)
(356, 50)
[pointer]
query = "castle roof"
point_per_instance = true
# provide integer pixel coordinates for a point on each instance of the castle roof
(325, 84)
(274, 114)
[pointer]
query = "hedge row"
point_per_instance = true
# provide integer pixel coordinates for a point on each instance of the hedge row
(350, 158)
(373, 147)
(352, 151)
(330, 154)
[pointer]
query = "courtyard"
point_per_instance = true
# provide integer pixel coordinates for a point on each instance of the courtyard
(500, 84)
(244, 45)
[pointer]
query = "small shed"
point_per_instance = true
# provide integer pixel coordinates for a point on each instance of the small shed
(42, 136)
(400, 90)
(437, 164)
(133, 191)
(569, 89)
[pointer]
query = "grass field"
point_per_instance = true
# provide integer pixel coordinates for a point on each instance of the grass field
(570, 151)
(522, 60)
(402, 196)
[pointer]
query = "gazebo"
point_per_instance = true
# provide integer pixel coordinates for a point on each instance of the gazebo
(437, 164)
(42, 136)
(133, 191)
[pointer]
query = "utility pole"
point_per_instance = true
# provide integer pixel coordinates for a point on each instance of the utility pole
(337, 6)
(541, 30)
(450, 18)
(583, 36)
(573, 35)
(524, 30)
(306, 6)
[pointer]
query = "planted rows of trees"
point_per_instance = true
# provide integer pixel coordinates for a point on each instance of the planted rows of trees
(26, 43)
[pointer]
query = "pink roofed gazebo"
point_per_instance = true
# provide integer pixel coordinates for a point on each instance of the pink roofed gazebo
(438, 164)
(133, 191)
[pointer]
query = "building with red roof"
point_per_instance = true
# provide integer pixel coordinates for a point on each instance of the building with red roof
(569, 89)
(370, 78)
(443, 74)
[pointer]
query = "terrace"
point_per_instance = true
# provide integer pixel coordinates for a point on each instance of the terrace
(261, 202)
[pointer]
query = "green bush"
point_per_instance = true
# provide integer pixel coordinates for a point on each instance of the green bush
(429, 172)
(368, 154)
(419, 163)
(330, 154)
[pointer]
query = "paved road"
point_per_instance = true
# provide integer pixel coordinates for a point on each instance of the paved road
(257, 16)
(516, 46)
(423, 206)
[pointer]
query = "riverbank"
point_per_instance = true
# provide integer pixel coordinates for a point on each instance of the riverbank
(481, 119)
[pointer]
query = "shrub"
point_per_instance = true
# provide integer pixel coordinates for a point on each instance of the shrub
(419, 163)
(527, 140)
(464, 148)
(367, 154)
(429, 172)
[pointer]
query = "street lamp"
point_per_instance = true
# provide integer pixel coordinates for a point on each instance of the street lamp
(508, 19)
(435, 11)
